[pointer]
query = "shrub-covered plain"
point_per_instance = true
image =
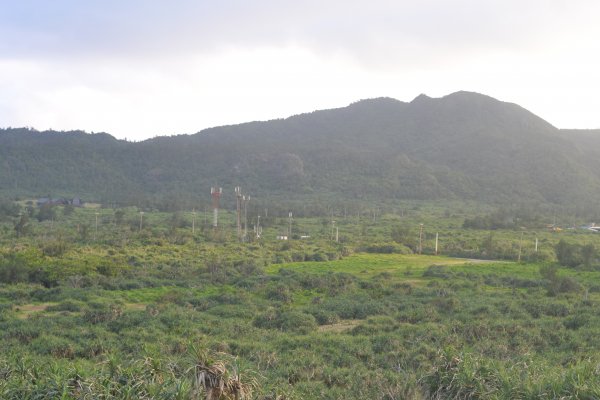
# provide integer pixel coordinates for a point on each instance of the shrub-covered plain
(121, 312)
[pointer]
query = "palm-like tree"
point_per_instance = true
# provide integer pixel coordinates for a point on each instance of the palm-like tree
(213, 378)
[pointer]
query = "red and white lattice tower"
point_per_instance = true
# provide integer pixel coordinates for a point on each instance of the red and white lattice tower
(216, 196)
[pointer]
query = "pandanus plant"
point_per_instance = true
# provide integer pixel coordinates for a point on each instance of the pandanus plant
(216, 381)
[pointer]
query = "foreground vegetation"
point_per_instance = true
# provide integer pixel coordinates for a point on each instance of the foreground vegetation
(130, 310)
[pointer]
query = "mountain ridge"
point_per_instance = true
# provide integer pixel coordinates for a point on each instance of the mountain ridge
(464, 145)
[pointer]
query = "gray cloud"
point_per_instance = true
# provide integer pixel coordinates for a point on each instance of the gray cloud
(373, 31)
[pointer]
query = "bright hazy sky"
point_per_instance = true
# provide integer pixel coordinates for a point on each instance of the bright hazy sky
(142, 68)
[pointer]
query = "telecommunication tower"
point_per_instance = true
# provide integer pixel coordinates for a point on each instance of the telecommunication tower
(216, 196)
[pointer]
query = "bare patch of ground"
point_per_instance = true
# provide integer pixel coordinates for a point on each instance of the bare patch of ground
(342, 326)
(136, 306)
(26, 310)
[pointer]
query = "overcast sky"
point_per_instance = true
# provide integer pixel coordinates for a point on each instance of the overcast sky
(142, 68)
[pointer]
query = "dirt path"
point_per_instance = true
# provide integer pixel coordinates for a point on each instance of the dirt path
(479, 261)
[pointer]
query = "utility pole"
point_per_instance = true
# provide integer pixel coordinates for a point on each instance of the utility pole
(536, 245)
(436, 243)
(96, 227)
(238, 198)
(141, 220)
(332, 228)
(520, 247)
(20, 225)
(420, 238)
(246, 200)
(193, 221)
(290, 226)
(216, 195)
(258, 228)
(241, 205)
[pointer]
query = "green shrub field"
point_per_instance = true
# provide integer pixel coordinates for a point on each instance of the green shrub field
(115, 310)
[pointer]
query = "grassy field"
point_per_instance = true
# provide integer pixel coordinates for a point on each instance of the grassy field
(370, 265)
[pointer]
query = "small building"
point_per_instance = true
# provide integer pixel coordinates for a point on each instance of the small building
(43, 201)
(47, 201)
(591, 227)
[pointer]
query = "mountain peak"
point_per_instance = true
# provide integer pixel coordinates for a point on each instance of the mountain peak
(378, 104)
(421, 99)
(461, 96)
(465, 96)
(378, 101)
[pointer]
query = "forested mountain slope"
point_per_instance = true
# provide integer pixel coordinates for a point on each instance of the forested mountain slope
(461, 146)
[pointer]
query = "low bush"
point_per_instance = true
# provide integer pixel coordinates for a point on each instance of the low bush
(287, 321)
(67, 305)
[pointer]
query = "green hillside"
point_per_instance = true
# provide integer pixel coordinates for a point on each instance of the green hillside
(462, 146)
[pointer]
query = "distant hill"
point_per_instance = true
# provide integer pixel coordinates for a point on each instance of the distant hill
(461, 146)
